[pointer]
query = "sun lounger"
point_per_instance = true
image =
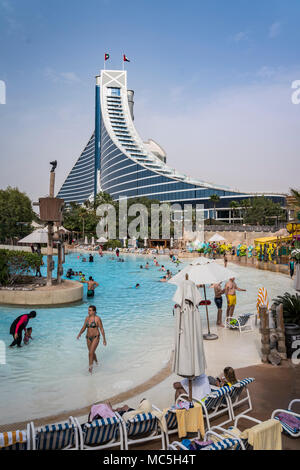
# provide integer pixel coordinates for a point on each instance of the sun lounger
(61, 436)
(235, 398)
(243, 323)
(214, 404)
(234, 432)
(15, 440)
(143, 427)
(219, 443)
(101, 433)
(288, 427)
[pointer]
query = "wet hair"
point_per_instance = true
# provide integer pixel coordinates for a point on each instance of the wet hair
(137, 285)
(93, 308)
(230, 375)
(32, 314)
(90, 278)
(29, 329)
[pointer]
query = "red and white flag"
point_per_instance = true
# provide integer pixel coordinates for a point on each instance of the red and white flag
(125, 59)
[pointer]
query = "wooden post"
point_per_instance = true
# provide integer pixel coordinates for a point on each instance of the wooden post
(59, 262)
(50, 234)
(49, 254)
(265, 333)
(280, 332)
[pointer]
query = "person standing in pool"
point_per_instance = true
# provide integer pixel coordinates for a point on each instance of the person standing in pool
(17, 326)
(92, 324)
(91, 258)
(117, 252)
(91, 286)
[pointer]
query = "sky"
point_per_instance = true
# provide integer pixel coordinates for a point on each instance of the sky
(212, 81)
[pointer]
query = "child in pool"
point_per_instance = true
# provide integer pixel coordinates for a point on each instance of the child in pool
(27, 335)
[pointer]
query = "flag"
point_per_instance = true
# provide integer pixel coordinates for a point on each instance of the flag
(106, 56)
(125, 59)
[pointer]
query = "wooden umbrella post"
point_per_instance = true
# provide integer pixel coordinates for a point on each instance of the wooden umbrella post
(208, 335)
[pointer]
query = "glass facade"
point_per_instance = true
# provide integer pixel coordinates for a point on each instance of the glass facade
(128, 168)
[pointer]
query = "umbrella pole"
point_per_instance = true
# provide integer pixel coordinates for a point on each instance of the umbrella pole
(190, 389)
(208, 335)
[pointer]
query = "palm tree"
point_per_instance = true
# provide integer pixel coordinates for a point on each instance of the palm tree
(215, 199)
(234, 206)
(296, 195)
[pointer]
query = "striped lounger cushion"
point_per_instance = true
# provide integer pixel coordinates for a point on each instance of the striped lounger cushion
(141, 424)
(55, 436)
(213, 399)
(224, 444)
(237, 388)
(13, 440)
(101, 431)
(171, 420)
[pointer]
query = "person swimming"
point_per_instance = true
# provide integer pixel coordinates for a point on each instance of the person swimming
(137, 285)
(91, 258)
(163, 279)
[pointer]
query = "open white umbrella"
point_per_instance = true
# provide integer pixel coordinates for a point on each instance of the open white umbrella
(189, 357)
(216, 238)
(102, 240)
(202, 274)
(38, 236)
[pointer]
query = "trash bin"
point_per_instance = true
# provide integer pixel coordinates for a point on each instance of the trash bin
(292, 334)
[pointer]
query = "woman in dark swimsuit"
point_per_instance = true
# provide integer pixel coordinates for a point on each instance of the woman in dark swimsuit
(92, 323)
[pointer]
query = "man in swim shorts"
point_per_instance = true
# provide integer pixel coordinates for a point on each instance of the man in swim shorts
(230, 291)
(91, 286)
(219, 291)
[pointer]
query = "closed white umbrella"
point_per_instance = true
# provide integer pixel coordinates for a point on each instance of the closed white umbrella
(85, 240)
(204, 273)
(38, 236)
(189, 357)
(216, 238)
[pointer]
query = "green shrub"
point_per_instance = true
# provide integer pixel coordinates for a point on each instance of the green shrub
(291, 307)
(15, 264)
(113, 244)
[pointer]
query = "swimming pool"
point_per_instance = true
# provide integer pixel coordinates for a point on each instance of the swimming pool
(50, 375)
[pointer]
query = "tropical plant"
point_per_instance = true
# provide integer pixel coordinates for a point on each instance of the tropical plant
(291, 307)
(296, 194)
(234, 205)
(16, 214)
(215, 199)
(15, 264)
(261, 211)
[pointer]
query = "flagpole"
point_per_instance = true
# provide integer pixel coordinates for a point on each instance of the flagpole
(123, 62)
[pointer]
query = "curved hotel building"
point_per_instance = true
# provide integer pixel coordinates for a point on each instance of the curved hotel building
(117, 161)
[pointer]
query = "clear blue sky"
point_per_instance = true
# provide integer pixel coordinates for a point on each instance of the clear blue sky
(212, 83)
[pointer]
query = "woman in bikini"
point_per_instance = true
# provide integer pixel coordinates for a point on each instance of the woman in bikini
(92, 324)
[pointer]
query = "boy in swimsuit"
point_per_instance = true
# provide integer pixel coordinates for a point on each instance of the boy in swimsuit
(27, 335)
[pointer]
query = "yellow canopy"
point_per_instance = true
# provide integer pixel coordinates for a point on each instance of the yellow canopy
(263, 240)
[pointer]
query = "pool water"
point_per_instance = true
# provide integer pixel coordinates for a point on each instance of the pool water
(50, 375)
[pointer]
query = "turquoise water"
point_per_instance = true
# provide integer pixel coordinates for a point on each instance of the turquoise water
(50, 375)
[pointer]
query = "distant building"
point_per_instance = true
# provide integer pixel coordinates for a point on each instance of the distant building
(117, 161)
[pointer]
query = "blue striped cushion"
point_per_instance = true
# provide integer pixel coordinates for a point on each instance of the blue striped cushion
(216, 397)
(55, 436)
(224, 444)
(101, 431)
(141, 424)
(171, 420)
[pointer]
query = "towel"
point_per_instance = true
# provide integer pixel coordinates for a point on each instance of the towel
(102, 410)
(12, 437)
(146, 407)
(290, 420)
(190, 420)
(265, 435)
